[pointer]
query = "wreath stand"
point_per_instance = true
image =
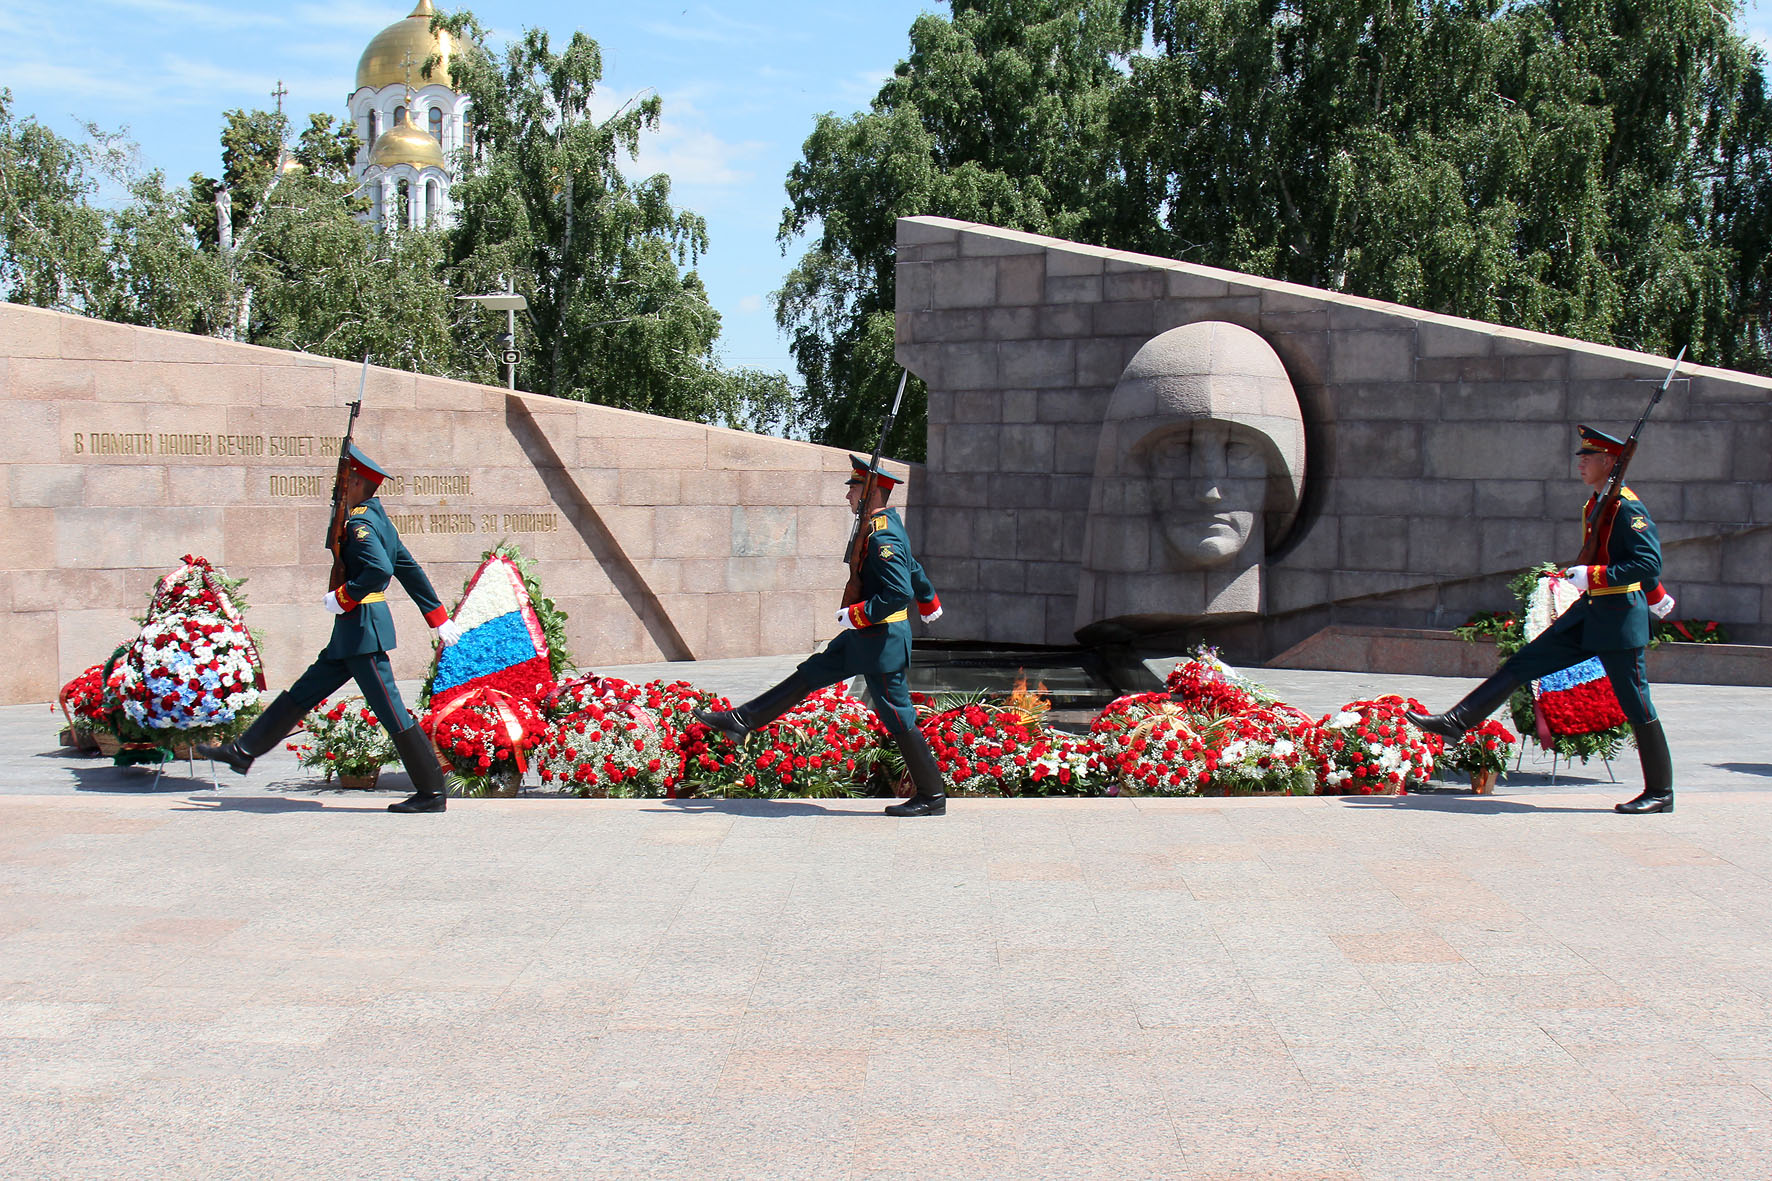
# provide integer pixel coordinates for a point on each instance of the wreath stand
(1521, 757)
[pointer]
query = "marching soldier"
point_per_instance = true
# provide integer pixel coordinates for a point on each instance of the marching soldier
(1610, 621)
(362, 636)
(875, 642)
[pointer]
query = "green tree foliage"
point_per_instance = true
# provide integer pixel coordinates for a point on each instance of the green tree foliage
(1548, 164)
(51, 238)
(613, 315)
(1593, 168)
(999, 115)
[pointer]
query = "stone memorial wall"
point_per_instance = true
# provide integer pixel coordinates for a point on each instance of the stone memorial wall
(1114, 450)
(129, 447)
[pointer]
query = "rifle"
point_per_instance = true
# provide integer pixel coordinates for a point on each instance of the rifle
(1607, 501)
(858, 538)
(335, 530)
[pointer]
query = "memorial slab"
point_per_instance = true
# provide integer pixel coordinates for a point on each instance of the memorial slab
(130, 447)
(1435, 452)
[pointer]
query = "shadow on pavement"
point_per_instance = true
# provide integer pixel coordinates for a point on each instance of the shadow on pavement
(746, 807)
(1462, 803)
(270, 804)
(1745, 768)
(135, 781)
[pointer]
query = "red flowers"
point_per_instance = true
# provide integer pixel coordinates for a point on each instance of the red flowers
(485, 733)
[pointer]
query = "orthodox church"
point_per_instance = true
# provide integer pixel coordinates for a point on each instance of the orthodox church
(409, 124)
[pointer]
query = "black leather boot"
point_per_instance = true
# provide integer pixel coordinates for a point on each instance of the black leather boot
(267, 730)
(1482, 701)
(759, 711)
(931, 798)
(1658, 772)
(419, 758)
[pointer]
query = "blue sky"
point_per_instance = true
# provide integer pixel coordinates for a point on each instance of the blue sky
(742, 82)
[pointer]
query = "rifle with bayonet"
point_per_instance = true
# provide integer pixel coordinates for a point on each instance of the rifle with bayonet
(335, 529)
(1594, 529)
(857, 548)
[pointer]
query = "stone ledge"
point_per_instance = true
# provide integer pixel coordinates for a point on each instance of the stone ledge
(1428, 652)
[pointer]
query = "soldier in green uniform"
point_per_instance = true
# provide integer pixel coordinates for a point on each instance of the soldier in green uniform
(1609, 622)
(875, 643)
(362, 636)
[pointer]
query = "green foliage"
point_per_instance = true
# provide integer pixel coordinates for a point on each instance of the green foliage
(998, 115)
(613, 315)
(1592, 169)
(344, 738)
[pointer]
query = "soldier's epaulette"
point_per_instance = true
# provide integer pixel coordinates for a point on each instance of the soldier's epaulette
(359, 511)
(880, 522)
(1627, 494)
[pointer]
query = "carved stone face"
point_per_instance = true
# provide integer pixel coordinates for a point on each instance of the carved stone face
(1199, 465)
(1208, 489)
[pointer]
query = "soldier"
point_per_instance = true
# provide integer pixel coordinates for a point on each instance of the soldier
(875, 642)
(362, 636)
(1610, 621)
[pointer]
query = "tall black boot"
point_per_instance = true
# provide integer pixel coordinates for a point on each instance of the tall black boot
(419, 758)
(1658, 772)
(267, 730)
(759, 711)
(1482, 701)
(931, 798)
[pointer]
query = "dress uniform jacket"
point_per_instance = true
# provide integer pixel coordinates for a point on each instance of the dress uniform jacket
(1614, 613)
(1610, 621)
(878, 645)
(373, 556)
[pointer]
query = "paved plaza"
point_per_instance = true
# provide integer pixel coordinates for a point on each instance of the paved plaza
(264, 979)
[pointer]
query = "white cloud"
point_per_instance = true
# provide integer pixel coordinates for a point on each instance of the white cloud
(707, 25)
(696, 156)
(207, 17)
(750, 305)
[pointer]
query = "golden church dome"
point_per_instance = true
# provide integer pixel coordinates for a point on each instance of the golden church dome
(384, 62)
(405, 143)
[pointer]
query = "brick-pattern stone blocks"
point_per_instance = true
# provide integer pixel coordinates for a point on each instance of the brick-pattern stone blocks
(663, 539)
(1442, 446)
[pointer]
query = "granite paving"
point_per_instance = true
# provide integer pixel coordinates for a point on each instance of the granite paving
(266, 979)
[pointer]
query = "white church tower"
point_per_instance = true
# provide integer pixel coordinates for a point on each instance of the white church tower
(409, 134)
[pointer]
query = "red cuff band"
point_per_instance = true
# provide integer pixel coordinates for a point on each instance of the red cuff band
(437, 617)
(857, 616)
(929, 608)
(1596, 576)
(1657, 593)
(344, 599)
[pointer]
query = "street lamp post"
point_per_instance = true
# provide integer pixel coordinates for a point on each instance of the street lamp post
(510, 303)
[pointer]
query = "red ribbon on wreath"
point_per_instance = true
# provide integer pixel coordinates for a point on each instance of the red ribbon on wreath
(493, 704)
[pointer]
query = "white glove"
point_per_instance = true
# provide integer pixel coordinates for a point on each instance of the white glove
(932, 616)
(844, 623)
(332, 603)
(449, 631)
(1578, 576)
(1663, 608)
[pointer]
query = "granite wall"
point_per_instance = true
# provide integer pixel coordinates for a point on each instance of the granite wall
(129, 447)
(1438, 449)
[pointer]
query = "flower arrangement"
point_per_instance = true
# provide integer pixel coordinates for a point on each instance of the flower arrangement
(1368, 748)
(1265, 749)
(1158, 745)
(673, 703)
(1000, 748)
(1484, 749)
(1206, 686)
(193, 671)
(609, 746)
(1148, 744)
(82, 701)
(1686, 631)
(506, 645)
(345, 738)
(485, 736)
(825, 746)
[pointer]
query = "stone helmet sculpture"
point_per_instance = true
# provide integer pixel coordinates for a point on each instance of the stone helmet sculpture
(1199, 469)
